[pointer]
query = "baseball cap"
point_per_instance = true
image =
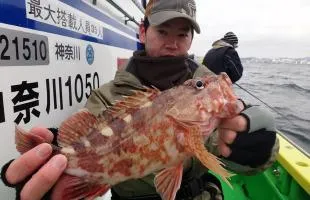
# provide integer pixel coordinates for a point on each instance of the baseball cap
(160, 11)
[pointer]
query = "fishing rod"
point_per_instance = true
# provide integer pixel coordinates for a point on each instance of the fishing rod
(275, 110)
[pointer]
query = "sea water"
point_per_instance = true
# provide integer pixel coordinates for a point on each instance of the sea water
(285, 88)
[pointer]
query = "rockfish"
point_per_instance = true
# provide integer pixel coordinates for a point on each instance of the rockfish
(148, 132)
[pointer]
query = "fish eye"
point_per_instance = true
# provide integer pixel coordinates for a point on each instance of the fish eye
(199, 85)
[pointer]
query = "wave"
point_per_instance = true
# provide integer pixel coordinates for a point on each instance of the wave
(286, 86)
(257, 73)
(295, 120)
(295, 87)
(286, 89)
(285, 109)
(284, 77)
(299, 118)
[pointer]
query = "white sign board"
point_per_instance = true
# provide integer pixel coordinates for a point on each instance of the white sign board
(52, 54)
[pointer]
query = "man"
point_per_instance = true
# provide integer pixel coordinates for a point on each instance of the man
(167, 33)
(223, 57)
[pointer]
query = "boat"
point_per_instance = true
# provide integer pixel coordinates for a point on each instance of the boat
(54, 52)
(287, 179)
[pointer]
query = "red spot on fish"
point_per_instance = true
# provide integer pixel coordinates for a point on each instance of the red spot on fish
(96, 138)
(139, 125)
(118, 126)
(88, 160)
(139, 121)
(122, 167)
(129, 146)
(78, 146)
(116, 147)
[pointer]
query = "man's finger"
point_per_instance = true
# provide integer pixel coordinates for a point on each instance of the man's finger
(42, 181)
(59, 188)
(28, 163)
(228, 136)
(42, 132)
(238, 124)
(223, 149)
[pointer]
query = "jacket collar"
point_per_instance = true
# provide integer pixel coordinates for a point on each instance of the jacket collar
(221, 43)
(162, 72)
(123, 77)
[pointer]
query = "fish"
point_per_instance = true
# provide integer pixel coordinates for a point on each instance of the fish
(150, 131)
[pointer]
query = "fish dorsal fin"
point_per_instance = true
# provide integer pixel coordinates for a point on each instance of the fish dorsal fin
(168, 181)
(75, 127)
(139, 99)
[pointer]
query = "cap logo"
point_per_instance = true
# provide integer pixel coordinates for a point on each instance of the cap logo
(149, 7)
(192, 11)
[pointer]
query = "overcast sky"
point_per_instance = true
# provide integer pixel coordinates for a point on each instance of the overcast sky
(265, 28)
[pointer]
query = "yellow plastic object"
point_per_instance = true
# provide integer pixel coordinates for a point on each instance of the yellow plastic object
(295, 162)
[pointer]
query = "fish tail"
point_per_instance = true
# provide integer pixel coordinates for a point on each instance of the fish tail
(24, 141)
(214, 164)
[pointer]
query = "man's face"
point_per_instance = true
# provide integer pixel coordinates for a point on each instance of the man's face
(172, 38)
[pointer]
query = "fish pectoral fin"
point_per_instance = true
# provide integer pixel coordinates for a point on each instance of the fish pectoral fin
(24, 141)
(78, 188)
(168, 182)
(195, 145)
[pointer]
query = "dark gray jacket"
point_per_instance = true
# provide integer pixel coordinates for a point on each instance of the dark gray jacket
(224, 58)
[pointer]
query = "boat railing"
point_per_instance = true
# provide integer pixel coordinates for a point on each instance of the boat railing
(139, 6)
(294, 144)
(128, 17)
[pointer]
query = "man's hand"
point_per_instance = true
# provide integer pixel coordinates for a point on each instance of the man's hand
(249, 138)
(37, 163)
(228, 131)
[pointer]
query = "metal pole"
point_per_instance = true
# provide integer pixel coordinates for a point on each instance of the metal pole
(130, 18)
